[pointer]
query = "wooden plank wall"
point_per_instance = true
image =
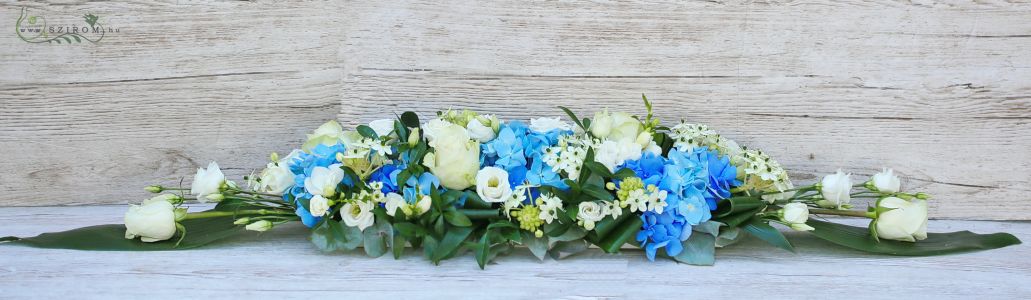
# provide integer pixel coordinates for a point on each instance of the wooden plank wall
(939, 90)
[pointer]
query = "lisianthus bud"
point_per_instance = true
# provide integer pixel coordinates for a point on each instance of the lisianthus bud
(318, 206)
(836, 189)
(208, 181)
(479, 131)
(795, 215)
(273, 157)
(154, 189)
(886, 181)
(901, 220)
(259, 226)
(216, 197)
(242, 221)
(644, 139)
(413, 138)
(601, 126)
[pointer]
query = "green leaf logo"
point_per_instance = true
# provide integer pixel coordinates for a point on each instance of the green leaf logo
(91, 19)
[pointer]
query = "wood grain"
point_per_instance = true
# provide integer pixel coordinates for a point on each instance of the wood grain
(939, 90)
(282, 263)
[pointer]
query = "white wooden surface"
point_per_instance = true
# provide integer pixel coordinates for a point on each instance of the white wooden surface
(940, 90)
(282, 263)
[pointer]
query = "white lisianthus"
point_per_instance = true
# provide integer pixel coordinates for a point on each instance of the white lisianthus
(590, 212)
(625, 128)
(836, 189)
(455, 159)
(886, 181)
(601, 125)
(544, 124)
(614, 153)
(318, 206)
(327, 134)
(795, 215)
(492, 185)
(207, 181)
(259, 226)
(358, 214)
(479, 131)
(901, 220)
(152, 221)
(323, 181)
(382, 127)
(394, 202)
(277, 177)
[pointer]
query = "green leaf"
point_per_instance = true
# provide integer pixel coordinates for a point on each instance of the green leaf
(736, 219)
(456, 218)
(626, 230)
(366, 131)
(537, 245)
(111, 237)
(565, 249)
(699, 249)
(377, 238)
(410, 119)
(398, 245)
(936, 243)
(624, 173)
(571, 234)
(734, 205)
(573, 116)
(728, 236)
(598, 192)
(710, 227)
(599, 169)
(762, 230)
(409, 229)
(450, 243)
(483, 249)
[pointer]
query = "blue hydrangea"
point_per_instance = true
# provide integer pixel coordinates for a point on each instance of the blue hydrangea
(387, 174)
(301, 166)
(685, 177)
(519, 150)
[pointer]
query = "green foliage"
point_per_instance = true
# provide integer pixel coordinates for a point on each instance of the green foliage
(859, 238)
(761, 229)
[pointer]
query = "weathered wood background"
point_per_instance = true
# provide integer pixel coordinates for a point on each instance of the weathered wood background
(939, 90)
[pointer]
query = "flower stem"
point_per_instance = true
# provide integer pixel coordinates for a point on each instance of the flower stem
(847, 213)
(214, 214)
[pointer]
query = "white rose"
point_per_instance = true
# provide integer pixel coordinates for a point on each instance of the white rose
(435, 126)
(207, 181)
(492, 185)
(625, 127)
(153, 221)
(323, 181)
(318, 206)
(382, 127)
(836, 189)
(886, 181)
(394, 202)
(906, 221)
(479, 131)
(456, 158)
(590, 212)
(601, 125)
(795, 215)
(543, 125)
(358, 214)
(327, 134)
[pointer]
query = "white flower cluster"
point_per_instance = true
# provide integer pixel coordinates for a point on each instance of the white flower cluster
(549, 205)
(688, 136)
(568, 155)
(640, 200)
(357, 211)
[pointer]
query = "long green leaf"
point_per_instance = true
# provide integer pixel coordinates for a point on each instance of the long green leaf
(450, 243)
(573, 116)
(762, 230)
(936, 243)
(111, 237)
(622, 233)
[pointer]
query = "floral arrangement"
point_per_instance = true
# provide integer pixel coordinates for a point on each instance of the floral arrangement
(463, 181)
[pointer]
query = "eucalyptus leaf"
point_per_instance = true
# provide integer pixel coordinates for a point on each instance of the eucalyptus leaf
(728, 236)
(565, 249)
(377, 238)
(699, 249)
(710, 227)
(537, 245)
(936, 243)
(762, 230)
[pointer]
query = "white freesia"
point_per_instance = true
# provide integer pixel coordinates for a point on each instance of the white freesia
(455, 159)
(479, 131)
(382, 127)
(323, 181)
(492, 185)
(590, 212)
(795, 215)
(207, 181)
(614, 153)
(394, 202)
(836, 189)
(358, 214)
(277, 177)
(545, 124)
(886, 181)
(901, 220)
(152, 221)
(327, 134)
(318, 206)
